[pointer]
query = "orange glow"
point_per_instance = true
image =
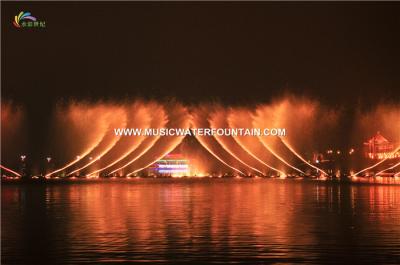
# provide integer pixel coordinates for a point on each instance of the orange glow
(264, 119)
(174, 144)
(147, 145)
(199, 119)
(10, 170)
(222, 143)
(218, 121)
(279, 157)
(152, 122)
(389, 168)
(119, 118)
(85, 142)
(178, 117)
(255, 157)
(376, 164)
(301, 158)
(205, 145)
(248, 144)
(78, 115)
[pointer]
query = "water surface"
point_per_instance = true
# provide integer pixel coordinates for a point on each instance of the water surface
(218, 221)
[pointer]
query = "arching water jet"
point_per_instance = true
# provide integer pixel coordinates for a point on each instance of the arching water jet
(139, 117)
(218, 120)
(118, 118)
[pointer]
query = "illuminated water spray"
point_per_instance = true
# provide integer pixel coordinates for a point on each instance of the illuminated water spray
(10, 170)
(119, 120)
(88, 130)
(159, 120)
(249, 145)
(218, 121)
(140, 115)
(260, 120)
(376, 164)
(297, 115)
(178, 118)
(198, 121)
(300, 157)
(94, 115)
(278, 156)
(389, 168)
(145, 146)
(207, 147)
(174, 143)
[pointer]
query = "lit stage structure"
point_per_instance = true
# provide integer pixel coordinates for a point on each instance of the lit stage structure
(172, 165)
(378, 147)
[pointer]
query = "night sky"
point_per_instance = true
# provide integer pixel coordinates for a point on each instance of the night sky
(236, 53)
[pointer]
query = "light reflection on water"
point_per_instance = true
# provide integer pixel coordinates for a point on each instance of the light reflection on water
(176, 221)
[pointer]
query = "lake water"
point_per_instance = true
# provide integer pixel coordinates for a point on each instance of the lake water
(200, 221)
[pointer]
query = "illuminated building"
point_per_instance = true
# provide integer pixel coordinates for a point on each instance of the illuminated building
(172, 165)
(378, 147)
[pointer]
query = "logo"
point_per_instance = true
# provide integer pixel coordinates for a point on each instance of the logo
(26, 20)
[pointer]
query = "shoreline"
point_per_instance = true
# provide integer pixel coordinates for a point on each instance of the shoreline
(342, 180)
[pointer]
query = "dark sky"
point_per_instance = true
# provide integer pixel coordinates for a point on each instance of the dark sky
(238, 53)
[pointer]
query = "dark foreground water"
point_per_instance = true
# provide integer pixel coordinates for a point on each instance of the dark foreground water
(238, 221)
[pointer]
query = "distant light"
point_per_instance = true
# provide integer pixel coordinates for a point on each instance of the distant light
(168, 171)
(172, 166)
